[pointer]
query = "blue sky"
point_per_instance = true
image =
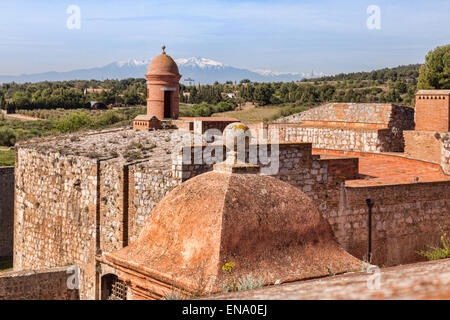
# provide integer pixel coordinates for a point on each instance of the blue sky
(281, 35)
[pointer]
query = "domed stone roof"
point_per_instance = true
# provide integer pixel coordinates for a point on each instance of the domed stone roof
(266, 227)
(163, 65)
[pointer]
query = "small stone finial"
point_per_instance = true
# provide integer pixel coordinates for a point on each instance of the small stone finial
(163, 49)
(236, 137)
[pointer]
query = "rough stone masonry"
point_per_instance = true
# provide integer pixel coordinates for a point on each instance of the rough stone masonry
(82, 195)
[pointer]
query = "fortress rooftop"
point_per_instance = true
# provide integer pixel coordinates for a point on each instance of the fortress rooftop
(425, 280)
(125, 145)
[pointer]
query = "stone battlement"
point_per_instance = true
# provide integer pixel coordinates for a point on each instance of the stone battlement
(389, 115)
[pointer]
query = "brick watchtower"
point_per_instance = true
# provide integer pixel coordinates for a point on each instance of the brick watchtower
(432, 121)
(433, 110)
(162, 92)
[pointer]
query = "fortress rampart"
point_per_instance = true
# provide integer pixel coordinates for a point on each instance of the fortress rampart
(71, 208)
(348, 126)
(78, 197)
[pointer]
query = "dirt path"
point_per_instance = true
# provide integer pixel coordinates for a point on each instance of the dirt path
(247, 106)
(17, 116)
(20, 117)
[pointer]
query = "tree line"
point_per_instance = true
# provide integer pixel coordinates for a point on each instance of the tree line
(71, 94)
(396, 85)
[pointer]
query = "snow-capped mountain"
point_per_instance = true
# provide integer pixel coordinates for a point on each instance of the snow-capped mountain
(193, 70)
(198, 62)
(132, 63)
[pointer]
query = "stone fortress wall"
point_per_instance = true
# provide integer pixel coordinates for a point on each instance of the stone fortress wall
(6, 211)
(352, 114)
(78, 197)
(70, 208)
(424, 145)
(56, 213)
(406, 218)
(48, 284)
(349, 126)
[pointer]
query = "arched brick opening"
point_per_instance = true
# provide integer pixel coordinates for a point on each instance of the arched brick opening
(113, 288)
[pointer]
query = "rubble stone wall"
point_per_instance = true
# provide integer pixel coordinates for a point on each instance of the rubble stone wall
(49, 284)
(147, 186)
(111, 196)
(348, 126)
(406, 218)
(6, 211)
(56, 213)
(368, 113)
(296, 165)
(348, 139)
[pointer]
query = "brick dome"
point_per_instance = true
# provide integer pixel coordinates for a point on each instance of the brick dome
(163, 65)
(266, 227)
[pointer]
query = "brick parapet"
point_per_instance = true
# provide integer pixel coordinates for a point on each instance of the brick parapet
(46, 284)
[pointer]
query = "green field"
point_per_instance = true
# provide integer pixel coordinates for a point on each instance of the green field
(63, 121)
(266, 113)
(254, 114)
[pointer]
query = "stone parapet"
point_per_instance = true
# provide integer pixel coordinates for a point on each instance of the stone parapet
(48, 284)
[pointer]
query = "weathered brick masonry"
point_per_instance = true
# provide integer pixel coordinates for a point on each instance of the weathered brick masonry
(50, 284)
(433, 110)
(423, 145)
(6, 211)
(429, 140)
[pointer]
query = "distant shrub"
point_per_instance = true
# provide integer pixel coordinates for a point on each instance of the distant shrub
(223, 107)
(73, 122)
(205, 110)
(7, 137)
(109, 118)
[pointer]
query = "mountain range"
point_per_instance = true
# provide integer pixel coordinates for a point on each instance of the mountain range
(193, 70)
